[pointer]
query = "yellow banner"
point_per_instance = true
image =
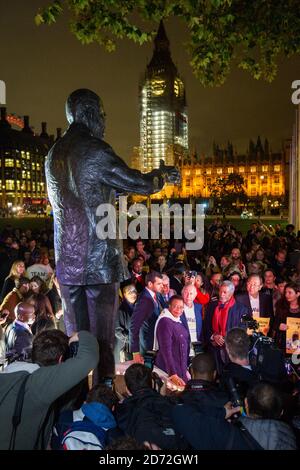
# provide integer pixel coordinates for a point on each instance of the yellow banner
(293, 335)
(264, 324)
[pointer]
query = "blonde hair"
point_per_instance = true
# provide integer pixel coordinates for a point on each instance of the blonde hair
(13, 270)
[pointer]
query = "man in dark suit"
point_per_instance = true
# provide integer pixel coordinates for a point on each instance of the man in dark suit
(83, 174)
(259, 304)
(176, 278)
(145, 314)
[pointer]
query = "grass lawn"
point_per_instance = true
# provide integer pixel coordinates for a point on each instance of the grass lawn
(40, 223)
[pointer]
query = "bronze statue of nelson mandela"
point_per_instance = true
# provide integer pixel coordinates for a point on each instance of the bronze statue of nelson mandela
(83, 172)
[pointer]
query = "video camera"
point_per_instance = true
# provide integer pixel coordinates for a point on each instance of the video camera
(265, 358)
(253, 324)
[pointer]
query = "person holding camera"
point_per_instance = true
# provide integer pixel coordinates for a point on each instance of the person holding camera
(260, 429)
(172, 342)
(145, 414)
(202, 391)
(54, 374)
(237, 344)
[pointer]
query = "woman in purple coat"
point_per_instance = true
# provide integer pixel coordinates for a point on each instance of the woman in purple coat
(172, 340)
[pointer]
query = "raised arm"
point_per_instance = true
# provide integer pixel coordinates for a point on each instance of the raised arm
(114, 172)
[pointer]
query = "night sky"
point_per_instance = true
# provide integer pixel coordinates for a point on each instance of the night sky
(42, 65)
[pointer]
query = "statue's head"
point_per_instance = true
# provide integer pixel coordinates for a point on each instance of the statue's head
(85, 107)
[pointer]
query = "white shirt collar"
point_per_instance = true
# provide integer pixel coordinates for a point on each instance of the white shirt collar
(151, 293)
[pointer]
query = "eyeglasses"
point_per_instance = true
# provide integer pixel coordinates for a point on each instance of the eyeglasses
(132, 291)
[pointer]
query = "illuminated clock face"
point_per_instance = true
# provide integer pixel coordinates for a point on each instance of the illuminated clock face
(158, 86)
(178, 87)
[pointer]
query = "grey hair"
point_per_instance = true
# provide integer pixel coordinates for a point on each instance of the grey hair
(188, 285)
(230, 286)
(165, 277)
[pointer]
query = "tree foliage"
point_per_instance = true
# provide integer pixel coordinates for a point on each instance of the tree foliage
(250, 34)
(228, 190)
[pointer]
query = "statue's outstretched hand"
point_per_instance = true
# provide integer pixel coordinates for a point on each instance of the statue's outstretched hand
(170, 173)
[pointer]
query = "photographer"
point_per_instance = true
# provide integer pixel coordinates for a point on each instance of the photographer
(146, 415)
(50, 380)
(237, 344)
(202, 391)
(261, 429)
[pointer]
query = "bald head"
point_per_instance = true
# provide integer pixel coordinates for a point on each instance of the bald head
(24, 312)
(189, 293)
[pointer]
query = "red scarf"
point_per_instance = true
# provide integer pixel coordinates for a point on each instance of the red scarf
(220, 317)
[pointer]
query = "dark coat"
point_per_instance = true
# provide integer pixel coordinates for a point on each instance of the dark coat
(122, 330)
(234, 318)
(19, 339)
(142, 324)
(203, 395)
(176, 285)
(243, 378)
(265, 304)
(82, 172)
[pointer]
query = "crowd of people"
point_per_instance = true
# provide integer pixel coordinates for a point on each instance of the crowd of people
(197, 313)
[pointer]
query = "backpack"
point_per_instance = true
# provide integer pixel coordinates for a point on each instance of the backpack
(83, 435)
(150, 420)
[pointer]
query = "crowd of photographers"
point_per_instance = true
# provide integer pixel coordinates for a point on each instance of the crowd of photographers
(192, 315)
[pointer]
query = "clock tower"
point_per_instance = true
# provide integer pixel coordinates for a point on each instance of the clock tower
(163, 110)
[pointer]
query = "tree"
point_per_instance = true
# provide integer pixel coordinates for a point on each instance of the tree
(249, 34)
(228, 190)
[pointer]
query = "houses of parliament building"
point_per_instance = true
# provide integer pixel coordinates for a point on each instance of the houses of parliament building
(164, 135)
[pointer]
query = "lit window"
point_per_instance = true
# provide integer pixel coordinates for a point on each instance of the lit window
(23, 174)
(265, 168)
(9, 162)
(198, 172)
(219, 171)
(277, 168)
(230, 169)
(33, 165)
(18, 163)
(208, 171)
(28, 175)
(187, 172)
(253, 169)
(10, 184)
(18, 185)
(241, 169)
